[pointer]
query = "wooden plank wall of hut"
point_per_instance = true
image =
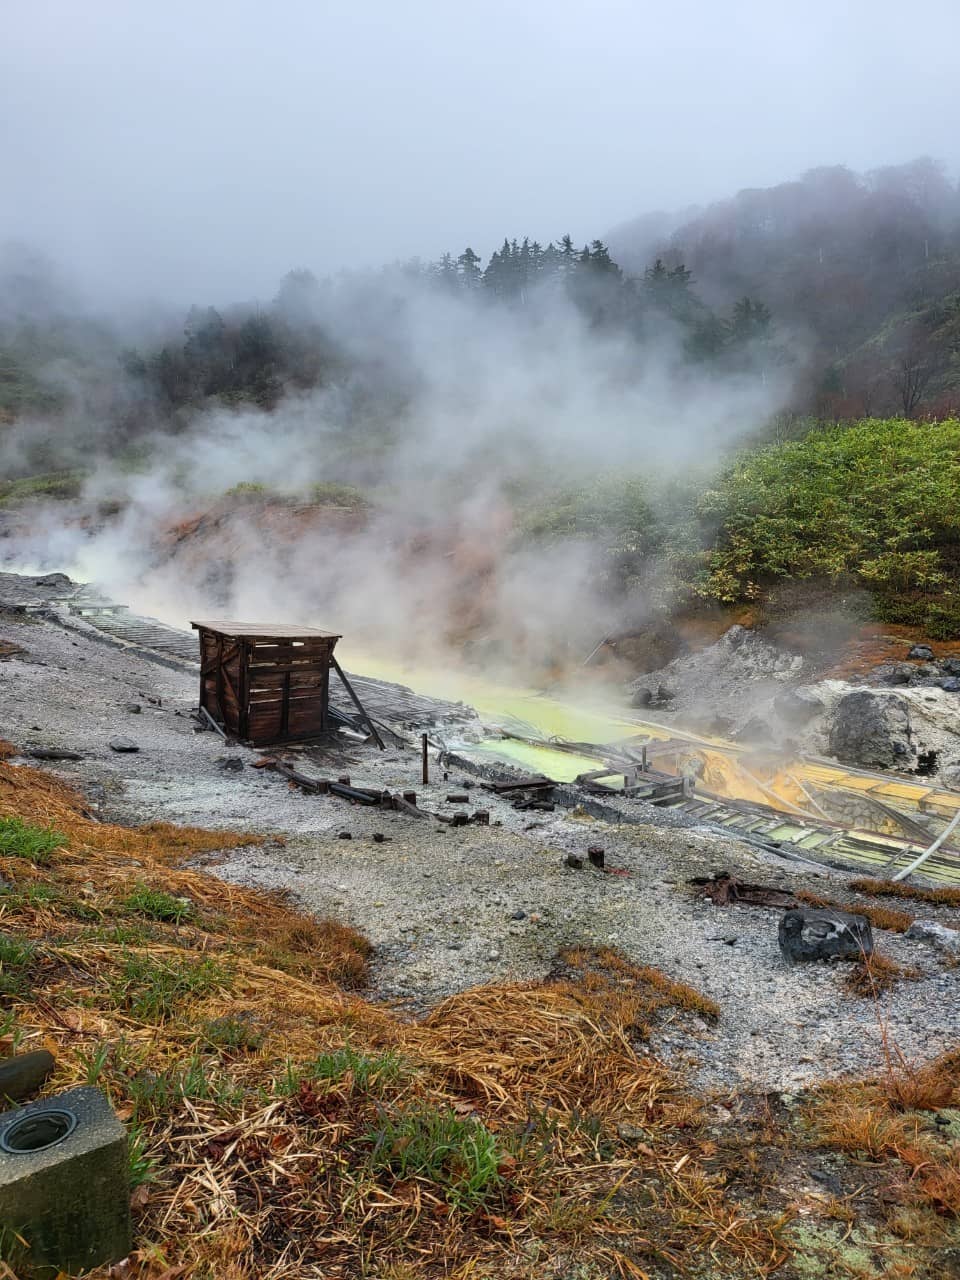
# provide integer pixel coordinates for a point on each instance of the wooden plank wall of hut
(221, 679)
(288, 685)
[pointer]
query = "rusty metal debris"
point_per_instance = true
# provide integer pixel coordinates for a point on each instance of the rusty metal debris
(725, 889)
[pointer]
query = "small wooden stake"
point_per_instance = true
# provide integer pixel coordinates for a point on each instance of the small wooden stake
(426, 767)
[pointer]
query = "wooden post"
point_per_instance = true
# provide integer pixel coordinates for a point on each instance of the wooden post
(426, 765)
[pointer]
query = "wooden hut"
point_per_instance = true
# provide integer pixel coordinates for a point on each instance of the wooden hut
(266, 683)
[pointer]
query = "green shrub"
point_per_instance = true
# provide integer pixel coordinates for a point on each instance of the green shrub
(338, 495)
(20, 839)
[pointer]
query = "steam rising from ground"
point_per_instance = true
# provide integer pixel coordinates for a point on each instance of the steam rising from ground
(450, 414)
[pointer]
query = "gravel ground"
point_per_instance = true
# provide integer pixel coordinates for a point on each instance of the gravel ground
(448, 907)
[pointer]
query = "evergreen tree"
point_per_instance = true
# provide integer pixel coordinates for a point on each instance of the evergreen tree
(468, 264)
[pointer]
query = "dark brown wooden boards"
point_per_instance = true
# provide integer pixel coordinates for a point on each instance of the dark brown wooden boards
(265, 683)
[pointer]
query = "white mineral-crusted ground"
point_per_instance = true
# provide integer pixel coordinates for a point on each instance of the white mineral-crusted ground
(450, 908)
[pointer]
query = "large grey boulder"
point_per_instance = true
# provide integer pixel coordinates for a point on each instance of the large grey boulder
(937, 934)
(809, 933)
(872, 729)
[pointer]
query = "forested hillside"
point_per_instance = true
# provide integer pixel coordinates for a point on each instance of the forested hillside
(766, 395)
(862, 269)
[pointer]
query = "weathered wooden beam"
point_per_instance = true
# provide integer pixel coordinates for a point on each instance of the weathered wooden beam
(357, 703)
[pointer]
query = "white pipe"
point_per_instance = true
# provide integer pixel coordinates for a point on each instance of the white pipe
(918, 862)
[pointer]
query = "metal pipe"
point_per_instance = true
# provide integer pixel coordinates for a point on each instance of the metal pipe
(918, 862)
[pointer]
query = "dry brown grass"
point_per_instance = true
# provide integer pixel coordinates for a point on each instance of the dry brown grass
(879, 917)
(909, 893)
(876, 973)
(270, 1099)
(653, 988)
(887, 1118)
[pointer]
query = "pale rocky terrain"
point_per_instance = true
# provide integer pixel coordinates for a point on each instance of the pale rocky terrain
(448, 908)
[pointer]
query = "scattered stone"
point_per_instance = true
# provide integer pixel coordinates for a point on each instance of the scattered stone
(230, 764)
(493, 955)
(133, 707)
(120, 743)
(519, 915)
(938, 934)
(379, 837)
(950, 666)
(949, 684)
(24, 1073)
(595, 854)
(52, 753)
(344, 835)
(573, 862)
(809, 933)
(729, 939)
(922, 651)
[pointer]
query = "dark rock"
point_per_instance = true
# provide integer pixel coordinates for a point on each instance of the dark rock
(230, 764)
(641, 698)
(921, 651)
(950, 666)
(665, 693)
(949, 684)
(378, 837)
(522, 915)
(120, 743)
(595, 854)
(133, 707)
(572, 861)
(344, 835)
(52, 753)
(24, 1074)
(926, 671)
(893, 673)
(810, 933)
(460, 819)
(869, 728)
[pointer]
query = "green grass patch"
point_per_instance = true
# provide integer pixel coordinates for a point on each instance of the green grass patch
(235, 1032)
(158, 905)
(338, 495)
(142, 1167)
(19, 839)
(57, 485)
(153, 991)
(16, 959)
(368, 1073)
(198, 1079)
(460, 1156)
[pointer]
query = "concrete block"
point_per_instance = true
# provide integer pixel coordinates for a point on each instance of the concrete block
(64, 1181)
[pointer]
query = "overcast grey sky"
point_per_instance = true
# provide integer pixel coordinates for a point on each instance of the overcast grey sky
(197, 149)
